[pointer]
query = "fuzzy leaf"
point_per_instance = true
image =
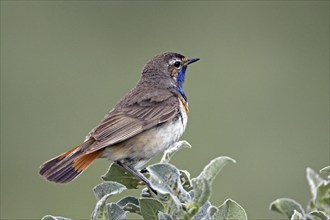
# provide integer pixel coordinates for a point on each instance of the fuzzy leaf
(211, 210)
(127, 200)
(102, 192)
(211, 170)
(118, 174)
(314, 180)
(115, 212)
(185, 180)
(130, 204)
(230, 210)
(106, 188)
(164, 177)
(202, 184)
(202, 192)
(297, 216)
(286, 206)
(320, 215)
(202, 213)
(150, 208)
(99, 213)
(168, 154)
(325, 170)
(322, 201)
(50, 217)
(163, 216)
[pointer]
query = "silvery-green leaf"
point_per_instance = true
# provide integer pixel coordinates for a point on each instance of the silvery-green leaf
(130, 204)
(150, 208)
(325, 170)
(163, 216)
(202, 213)
(50, 217)
(202, 184)
(164, 177)
(201, 194)
(107, 187)
(286, 206)
(297, 216)
(314, 180)
(211, 210)
(118, 174)
(173, 149)
(321, 215)
(99, 213)
(185, 180)
(129, 199)
(211, 170)
(115, 212)
(102, 192)
(322, 200)
(230, 210)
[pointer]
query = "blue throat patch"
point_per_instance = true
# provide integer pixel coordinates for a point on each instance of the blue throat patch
(180, 79)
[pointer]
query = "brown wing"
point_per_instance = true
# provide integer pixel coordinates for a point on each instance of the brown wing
(125, 122)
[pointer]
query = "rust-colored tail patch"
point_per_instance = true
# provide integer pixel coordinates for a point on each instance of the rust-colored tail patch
(67, 166)
(82, 162)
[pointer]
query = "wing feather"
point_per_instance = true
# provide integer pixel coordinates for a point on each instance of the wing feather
(126, 122)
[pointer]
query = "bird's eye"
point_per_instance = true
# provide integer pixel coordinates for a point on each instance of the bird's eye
(177, 64)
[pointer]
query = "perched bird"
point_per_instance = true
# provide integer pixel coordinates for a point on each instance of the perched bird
(144, 123)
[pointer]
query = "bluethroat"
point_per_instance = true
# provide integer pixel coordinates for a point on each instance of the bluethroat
(144, 123)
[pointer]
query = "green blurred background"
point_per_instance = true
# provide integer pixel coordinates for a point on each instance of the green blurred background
(260, 93)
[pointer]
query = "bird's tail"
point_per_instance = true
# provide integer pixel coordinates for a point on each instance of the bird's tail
(67, 166)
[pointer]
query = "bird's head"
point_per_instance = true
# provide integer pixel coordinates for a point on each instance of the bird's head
(167, 70)
(169, 63)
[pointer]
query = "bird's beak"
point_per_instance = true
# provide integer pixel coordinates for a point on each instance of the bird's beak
(192, 60)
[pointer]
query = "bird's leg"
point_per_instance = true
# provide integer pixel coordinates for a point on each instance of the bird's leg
(138, 175)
